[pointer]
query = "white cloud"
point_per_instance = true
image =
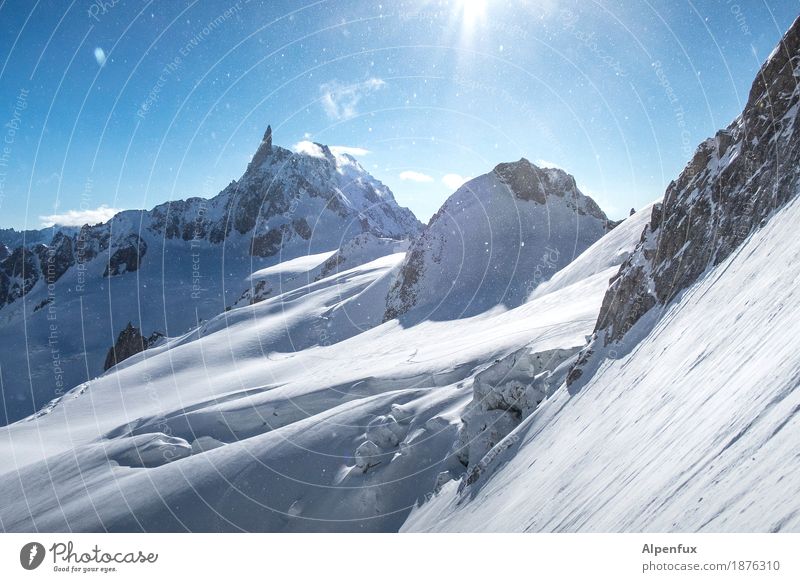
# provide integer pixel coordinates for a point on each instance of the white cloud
(100, 56)
(308, 148)
(349, 150)
(454, 181)
(80, 217)
(340, 101)
(546, 164)
(413, 176)
(54, 177)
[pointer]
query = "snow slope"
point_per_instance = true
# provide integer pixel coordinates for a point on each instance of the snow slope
(304, 270)
(681, 414)
(610, 251)
(236, 426)
(695, 428)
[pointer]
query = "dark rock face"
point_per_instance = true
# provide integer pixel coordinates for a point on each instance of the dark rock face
(5, 285)
(524, 180)
(250, 204)
(90, 242)
(56, 259)
(19, 272)
(331, 265)
(529, 182)
(260, 292)
(734, 182)
(404, 287)
(22, 268)
(269, 243)
(302, 228)
(264, 150)
(130, 342)
(127, 257)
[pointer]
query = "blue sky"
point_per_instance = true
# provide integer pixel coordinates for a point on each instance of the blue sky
(116, 105)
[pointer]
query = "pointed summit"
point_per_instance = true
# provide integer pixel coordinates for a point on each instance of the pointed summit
(264, 150)
(268, 137)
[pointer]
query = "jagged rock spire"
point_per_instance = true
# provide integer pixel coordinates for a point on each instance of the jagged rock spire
(264, 150)
(267, 141)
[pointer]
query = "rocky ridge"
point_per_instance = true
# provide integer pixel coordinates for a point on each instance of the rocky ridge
(734, 182)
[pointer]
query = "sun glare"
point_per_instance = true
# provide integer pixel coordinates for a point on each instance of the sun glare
(472, 12)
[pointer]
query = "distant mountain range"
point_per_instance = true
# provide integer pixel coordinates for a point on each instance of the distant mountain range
(67, 293)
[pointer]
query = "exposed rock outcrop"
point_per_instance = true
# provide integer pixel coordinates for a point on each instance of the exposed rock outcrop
(127, 257)
(732, 185)
(130, 342)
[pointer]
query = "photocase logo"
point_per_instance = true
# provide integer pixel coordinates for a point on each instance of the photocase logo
(31, 555)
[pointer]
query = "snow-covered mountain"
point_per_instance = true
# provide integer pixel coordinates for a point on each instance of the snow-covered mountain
(648, 384)
(494, 241)
(11, 239)
(234, 426)
(66, 303)
(682, 412)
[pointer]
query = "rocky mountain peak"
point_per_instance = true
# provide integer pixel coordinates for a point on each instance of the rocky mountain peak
(530, 182)
(283, 192)
(263, 151)
(494, 241)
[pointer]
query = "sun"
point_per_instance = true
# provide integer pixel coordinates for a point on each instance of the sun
(472, 12)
